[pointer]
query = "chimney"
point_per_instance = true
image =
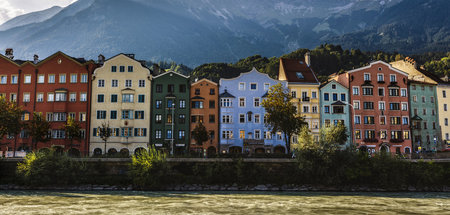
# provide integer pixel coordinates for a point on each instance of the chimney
(9, 53)
(308, 58)
(35, 59)
(101, 59)
(130, 56)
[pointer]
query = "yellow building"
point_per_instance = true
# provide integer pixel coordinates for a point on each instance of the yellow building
(121, 99)
(443, 99)
(304, 87)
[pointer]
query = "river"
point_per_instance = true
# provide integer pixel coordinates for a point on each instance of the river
(137, 202)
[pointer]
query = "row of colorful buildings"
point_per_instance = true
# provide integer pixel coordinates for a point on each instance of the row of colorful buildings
(395, 107)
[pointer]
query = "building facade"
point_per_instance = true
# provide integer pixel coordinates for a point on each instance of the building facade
(381, 117)
(425, 130)
(334, 106)
(304, 87)
(121, 96)
(171, 112)
(57, 87)
(443, 100)
(205, 110)
(242, 124)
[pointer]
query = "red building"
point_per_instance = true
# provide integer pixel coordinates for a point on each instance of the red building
(380, 113)
(58, 87)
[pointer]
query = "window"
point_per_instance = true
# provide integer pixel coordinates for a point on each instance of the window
(405, 120)
(304, 95)
(26, 97)
(444, 94)
(446, 121)
(62, 78)
(14, 79)
(326, 96)
(84, 78)
(313, 94)
(333, 86)
(113, 68)
(241, 134)
(423, 99)
(355, 90)
(182, 103)
(127, 114)
(343, 97)
(130, 68)
(305, 109)
(257, 118)
(40, 97)
(101, 83)
(212, 118)
(73, 78)
(51, 79)
(253, 86)
(393, 78)
(403, 92)
(181, 134)
(368, 105)
(314, 109)
(414, 87)
(183, 88)
(381, 106)
(181, 118)
(141, 98)
(128, 83)
(227, 134)
(127, 98)
(424, 111)
(121, 68)
(338, 109)
(113, 98)
(82, 117)
(327, 123)
(158, 118)
(423, 87)
(256, 102)
(406, 135)
(380, 78)
(114, 83)
(101, 114)
(169, 134)
(72, 115)
(358, 134)
(382, 120)
(335, 97)
(126, 132)
(414, 98)
(356, 105)
(257, 134)
(383, 134)
(83, 97)
(158, 104)
(140, 132)
(366, 76)
(159, 88)
(49, 116)
(369, 120)
(357, 119)
(113, 114)
(394, 106)
(367, 91)
(158, 134)
(25, 117)
(241, 118)
(13, 97)
(396, 135)
(50, 97)
(225, 103)
(369, 134)
(404, 106)
(212, 104)
(58, 134)
(197, 104)
(433, 112)
(395, 120)
(432, 99)
(445, 107)
(59, 117)
(393, 92)
(227, 119)
(241, 102)
(139, 114)
(41, 79)
(100, 98)
(27, 79)
(141, 83)
(241, 86)
(381, 91)
(326, 109)
(73, 97)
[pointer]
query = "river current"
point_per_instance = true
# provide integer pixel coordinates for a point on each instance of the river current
(137, 202)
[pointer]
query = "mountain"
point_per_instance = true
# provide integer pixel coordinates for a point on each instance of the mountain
(194, 32)
(29, 18)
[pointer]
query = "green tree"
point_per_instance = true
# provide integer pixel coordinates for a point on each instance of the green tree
(73, 131)
(305, 140)
(332, 137)
(200, 134)
(10, 120)
(38, 128)
(104, 132)
(148, 169)
(282, 114)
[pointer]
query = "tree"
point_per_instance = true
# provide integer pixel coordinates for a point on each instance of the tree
(333, 136)
(282, 114)
(200, 134)
(10, 120)
(104, 132)
(38, 128)
(73, 131)
(305, 140)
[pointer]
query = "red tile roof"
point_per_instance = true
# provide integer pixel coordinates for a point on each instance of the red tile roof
(293, 66)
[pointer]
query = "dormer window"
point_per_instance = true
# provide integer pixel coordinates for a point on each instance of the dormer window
(333, 86)
(299, 75)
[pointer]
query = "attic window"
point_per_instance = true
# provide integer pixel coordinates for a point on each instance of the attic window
(299, 75)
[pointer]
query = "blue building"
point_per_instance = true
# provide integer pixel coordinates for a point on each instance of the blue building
(242, 126)
(334, 106)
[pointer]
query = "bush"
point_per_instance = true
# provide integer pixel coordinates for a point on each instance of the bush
(41, 169)
(149, 169)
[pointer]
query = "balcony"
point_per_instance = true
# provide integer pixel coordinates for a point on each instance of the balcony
(381, 81)
(396, 140)
(370, 140)
(305, 99)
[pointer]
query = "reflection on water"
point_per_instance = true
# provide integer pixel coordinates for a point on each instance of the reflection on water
(134, 202)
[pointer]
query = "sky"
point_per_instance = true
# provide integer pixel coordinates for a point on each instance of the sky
(12, 8)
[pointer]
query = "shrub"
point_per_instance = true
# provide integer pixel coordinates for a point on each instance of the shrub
(149, 169)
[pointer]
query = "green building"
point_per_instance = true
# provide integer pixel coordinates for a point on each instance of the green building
(170, 112)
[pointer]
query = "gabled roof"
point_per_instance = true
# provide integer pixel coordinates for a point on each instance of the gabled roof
(377, 62)
(204, 79)
(169, 72)
(415, 117)
(121, 55)
(226, 94)
(338, 103)
(298, 71)
(331, 81)
(254, 70)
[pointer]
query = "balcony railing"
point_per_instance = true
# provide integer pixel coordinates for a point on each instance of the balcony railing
(370, 140)
(305, 99)
(397, 140)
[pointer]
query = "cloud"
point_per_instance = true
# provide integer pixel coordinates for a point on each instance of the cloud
(7, 11)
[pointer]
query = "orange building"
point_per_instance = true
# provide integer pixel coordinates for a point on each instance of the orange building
(205, 109)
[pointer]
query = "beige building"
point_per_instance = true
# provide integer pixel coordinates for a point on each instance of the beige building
(443, 99)
(120, 99)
